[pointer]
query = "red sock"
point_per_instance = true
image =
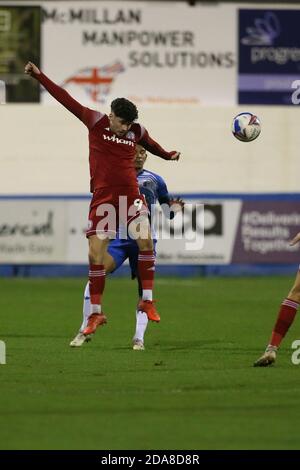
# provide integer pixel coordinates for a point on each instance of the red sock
(146, 269)
(286, 315)
(97, 283)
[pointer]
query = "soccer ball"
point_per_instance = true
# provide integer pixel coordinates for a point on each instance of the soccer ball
(246, 127)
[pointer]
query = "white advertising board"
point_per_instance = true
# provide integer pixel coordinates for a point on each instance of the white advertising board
(153, 53)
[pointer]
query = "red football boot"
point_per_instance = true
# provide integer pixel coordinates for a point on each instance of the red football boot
(95, 320)
(148, 307)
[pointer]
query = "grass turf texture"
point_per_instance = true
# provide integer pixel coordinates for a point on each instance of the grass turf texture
(193, 388)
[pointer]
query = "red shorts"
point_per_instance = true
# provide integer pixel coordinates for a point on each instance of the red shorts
(111, 206)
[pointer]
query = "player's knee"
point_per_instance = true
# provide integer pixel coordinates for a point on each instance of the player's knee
(109, 265)
(145, 244)
(94, 255)
(294, 294)
(92, 258)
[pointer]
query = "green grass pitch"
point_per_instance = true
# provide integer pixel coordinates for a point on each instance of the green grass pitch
(193, 387)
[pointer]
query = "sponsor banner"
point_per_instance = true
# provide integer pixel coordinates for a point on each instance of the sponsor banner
(101, 50)
(77, 246)
(20, 37)
(220, 227)
(269, 56)
(35, 231)
(264, 231)
(32, 231)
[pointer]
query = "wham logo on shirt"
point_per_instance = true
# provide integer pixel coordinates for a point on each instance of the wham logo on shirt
(117, 140)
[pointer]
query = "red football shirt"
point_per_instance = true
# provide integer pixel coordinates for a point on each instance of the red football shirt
(111, 157)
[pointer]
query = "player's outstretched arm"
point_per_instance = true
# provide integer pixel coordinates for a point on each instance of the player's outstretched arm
(149, 144)
(87, 116)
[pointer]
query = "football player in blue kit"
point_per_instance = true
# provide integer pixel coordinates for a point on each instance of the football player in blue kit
(154, 189)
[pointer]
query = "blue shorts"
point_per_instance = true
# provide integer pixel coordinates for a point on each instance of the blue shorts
(120, 250)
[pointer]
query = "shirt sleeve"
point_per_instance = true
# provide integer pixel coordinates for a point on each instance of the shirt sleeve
(153, 147)
(88, 116)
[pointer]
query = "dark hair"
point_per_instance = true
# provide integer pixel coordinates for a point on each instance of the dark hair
(124, 109)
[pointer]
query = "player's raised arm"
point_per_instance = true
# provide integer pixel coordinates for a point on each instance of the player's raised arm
(149, 144)
(86, 115)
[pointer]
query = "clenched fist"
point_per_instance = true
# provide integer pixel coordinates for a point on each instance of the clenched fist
(31, 69)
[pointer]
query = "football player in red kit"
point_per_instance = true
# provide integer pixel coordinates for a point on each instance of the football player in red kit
(285, 317)
(112, 140)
